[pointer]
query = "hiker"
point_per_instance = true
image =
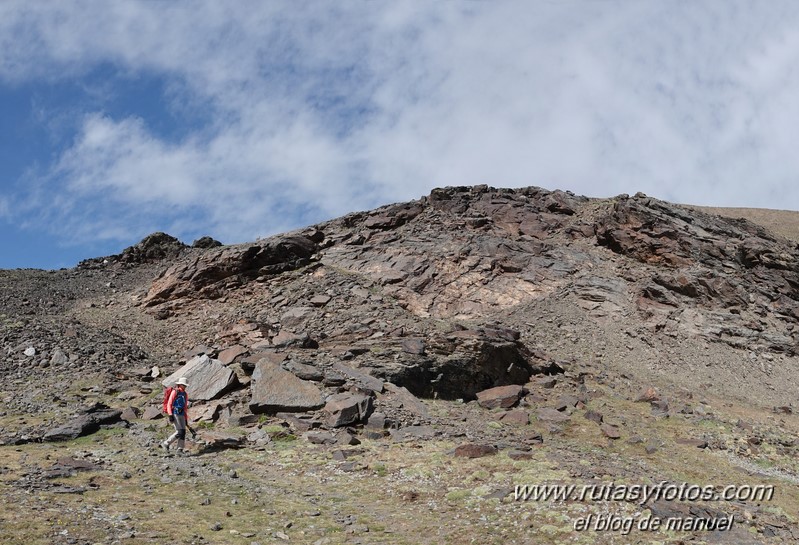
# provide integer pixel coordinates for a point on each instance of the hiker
(177, 407)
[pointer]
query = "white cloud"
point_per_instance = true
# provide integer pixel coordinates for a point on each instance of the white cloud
(319, 109)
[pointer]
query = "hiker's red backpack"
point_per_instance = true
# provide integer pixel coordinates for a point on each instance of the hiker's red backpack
(167, 392)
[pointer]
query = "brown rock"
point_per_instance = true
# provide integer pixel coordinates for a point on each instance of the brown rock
(206, 413)
(594, 416)
(545, 414)
(320, 437)
(611, 432)
(229, 355)
(299, 422)
(648, 395)
(548, 382)
(215, 440)
(660, 408)
(566, 402)
(376, 421)
(152, 413)
(346, 438)
(500, 396)
(305, 371)
(204, 276)
(274, 389)
(86, 422)
(341, 455)
(698, 443)
(347, 408)
(534, 437)
(296, 316)
(516, 417)
(129, 414)
(409, 402)
(289, 338)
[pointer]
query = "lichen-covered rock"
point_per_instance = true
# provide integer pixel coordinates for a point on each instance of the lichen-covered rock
(274, 390)
(207, 378)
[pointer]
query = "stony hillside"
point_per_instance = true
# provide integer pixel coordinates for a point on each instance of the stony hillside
(434, 354)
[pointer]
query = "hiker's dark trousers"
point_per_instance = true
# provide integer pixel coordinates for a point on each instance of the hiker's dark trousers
(180, 430)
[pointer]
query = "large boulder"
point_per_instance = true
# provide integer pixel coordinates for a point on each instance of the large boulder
(347, 408)
(276, 390)
(207, 377)
(501, 396)
(86, 422)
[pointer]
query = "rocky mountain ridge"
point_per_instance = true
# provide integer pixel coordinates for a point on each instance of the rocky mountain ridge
(527, 305)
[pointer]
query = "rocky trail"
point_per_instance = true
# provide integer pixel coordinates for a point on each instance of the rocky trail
(393, 376)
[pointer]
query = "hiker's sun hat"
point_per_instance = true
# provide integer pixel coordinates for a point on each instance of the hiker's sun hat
(182, 382)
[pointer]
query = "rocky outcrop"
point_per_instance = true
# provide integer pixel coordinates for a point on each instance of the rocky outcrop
(444, 296)
(210, 274)
(731, 280)
(154, 247)
(347, 408)
(462, 363)
(206, 243)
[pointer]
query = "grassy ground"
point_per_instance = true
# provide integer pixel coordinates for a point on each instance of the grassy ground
(397, 493)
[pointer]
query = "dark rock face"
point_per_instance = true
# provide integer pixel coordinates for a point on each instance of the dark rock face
(206, 243)
(462, 363)
(85, 423)
(213, 272)
(153, 247)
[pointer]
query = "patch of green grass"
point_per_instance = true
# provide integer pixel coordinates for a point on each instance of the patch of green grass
(458, 495)
(764, 463)
(274, 429)
(478, 476)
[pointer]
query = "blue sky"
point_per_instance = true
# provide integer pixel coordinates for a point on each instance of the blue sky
(245, 119)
